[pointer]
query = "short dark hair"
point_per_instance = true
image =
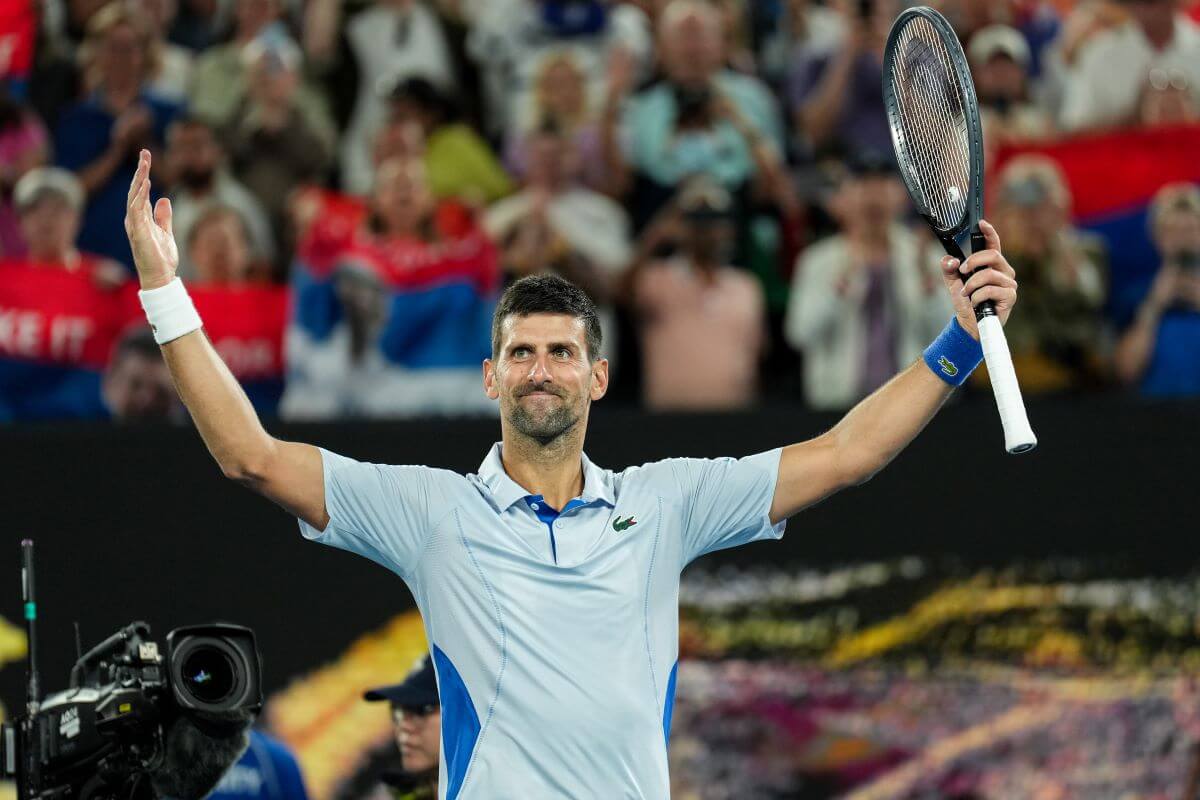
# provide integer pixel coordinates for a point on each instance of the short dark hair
(547, 294)
(139, 342)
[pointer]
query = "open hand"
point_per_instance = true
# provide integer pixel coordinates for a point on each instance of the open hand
(155, 254)
(995, 280)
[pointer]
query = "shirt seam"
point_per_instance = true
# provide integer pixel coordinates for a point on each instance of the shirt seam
(646, 608)
(503, 652)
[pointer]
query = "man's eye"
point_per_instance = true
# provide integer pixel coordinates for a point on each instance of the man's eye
(562, 352)
(520, 352)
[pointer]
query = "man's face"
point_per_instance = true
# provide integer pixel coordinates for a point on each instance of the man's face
(418, 735)
(139, 388)
(401, 197)
(122, 56)
(219, 250)
(1178, 231)
(50, 226)
(692, 47)
(871, 200)
(542, 375)
(1000, 80)
(194, 154)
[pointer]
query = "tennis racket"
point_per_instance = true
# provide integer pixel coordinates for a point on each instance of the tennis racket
(934, 119)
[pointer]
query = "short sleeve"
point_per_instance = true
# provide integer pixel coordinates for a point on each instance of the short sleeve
(381, 511)
(726, 501)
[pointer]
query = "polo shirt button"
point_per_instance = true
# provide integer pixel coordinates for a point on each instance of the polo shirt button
(534, 506)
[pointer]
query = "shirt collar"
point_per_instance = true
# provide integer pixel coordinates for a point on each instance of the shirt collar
(597, 482)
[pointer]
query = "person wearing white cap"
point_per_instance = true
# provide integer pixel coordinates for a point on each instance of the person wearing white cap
(49, 203)
(1000, 60)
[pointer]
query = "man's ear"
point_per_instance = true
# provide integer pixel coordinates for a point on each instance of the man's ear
(599, 379)
(489, 379)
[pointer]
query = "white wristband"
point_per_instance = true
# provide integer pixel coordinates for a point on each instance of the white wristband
(170, 311)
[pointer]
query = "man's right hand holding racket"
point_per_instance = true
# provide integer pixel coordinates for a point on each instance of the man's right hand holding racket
(985, 275)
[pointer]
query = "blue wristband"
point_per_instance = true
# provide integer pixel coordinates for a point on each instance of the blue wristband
(954, 355)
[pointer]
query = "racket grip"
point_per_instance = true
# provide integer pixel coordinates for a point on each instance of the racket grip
(1018, 436)
(987, 308)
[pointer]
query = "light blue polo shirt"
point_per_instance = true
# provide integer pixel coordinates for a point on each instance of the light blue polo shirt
(555, 635)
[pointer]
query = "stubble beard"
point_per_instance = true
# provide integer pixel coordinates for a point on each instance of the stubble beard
(544, 428)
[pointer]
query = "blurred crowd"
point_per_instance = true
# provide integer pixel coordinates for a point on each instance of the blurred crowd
(716, 174)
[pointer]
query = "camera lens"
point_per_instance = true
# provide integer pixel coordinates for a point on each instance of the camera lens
(208, 674)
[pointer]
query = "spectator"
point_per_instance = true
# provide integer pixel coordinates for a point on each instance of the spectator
(836, 98)
(99, 138)
(414, 293)
(220, 81)
(417, 714)
(510, 38)
(198, 24)
(806, 30)
(200, 180)
(137, 385)
(702, 119)
(218, 248)
(266, 771)
(274, 144)
(867, 300)
(172, 75)
(386, 43)
(1000, 63)
(555, 223)
(1057, 338)
(703, 322)
(561, 95)
(459, 164)
(1158, 351)
(1105, 82)
(49, 201)
(22, 147)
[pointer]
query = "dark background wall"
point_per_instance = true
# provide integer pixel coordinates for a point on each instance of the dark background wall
(138, 523)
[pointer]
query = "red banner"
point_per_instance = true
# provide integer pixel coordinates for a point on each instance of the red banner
(1116, 172)
(18, 29)
(336, 232)
(246, 326)
(50, 315)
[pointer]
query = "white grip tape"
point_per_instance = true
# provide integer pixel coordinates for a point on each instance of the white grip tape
(170, 311)
(1018, 436)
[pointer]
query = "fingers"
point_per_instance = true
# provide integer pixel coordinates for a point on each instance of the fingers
(990, 235)
(1001, 295)
(987, 277)
(984, 259)
(162, 215)
(142, 175)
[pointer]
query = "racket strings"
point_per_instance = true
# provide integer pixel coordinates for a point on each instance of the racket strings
(932, 126)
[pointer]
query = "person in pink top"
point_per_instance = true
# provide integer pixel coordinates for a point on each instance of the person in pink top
(702, 321)
(22, 147)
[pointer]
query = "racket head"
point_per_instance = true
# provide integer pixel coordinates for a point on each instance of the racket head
(933, 116)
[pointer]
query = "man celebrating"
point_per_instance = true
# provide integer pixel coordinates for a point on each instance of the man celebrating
(548, 585)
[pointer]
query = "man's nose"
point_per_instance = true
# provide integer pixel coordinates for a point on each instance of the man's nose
(539, 370)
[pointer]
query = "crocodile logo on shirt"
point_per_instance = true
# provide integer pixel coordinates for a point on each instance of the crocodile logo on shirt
(947, 366)
(620, 525)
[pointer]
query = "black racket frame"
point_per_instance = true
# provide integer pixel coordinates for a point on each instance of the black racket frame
(967, 229)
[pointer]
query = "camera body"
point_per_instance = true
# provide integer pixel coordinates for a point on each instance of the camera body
(109, 736)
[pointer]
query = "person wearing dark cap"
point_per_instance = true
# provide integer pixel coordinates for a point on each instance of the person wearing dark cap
(417, 714)
(866, 300)
(702, 321)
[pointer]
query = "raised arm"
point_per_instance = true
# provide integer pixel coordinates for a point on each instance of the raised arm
(879, 427)
(286, 472)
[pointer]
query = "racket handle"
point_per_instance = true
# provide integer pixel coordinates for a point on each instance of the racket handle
(987, 308)
(1018, 436)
